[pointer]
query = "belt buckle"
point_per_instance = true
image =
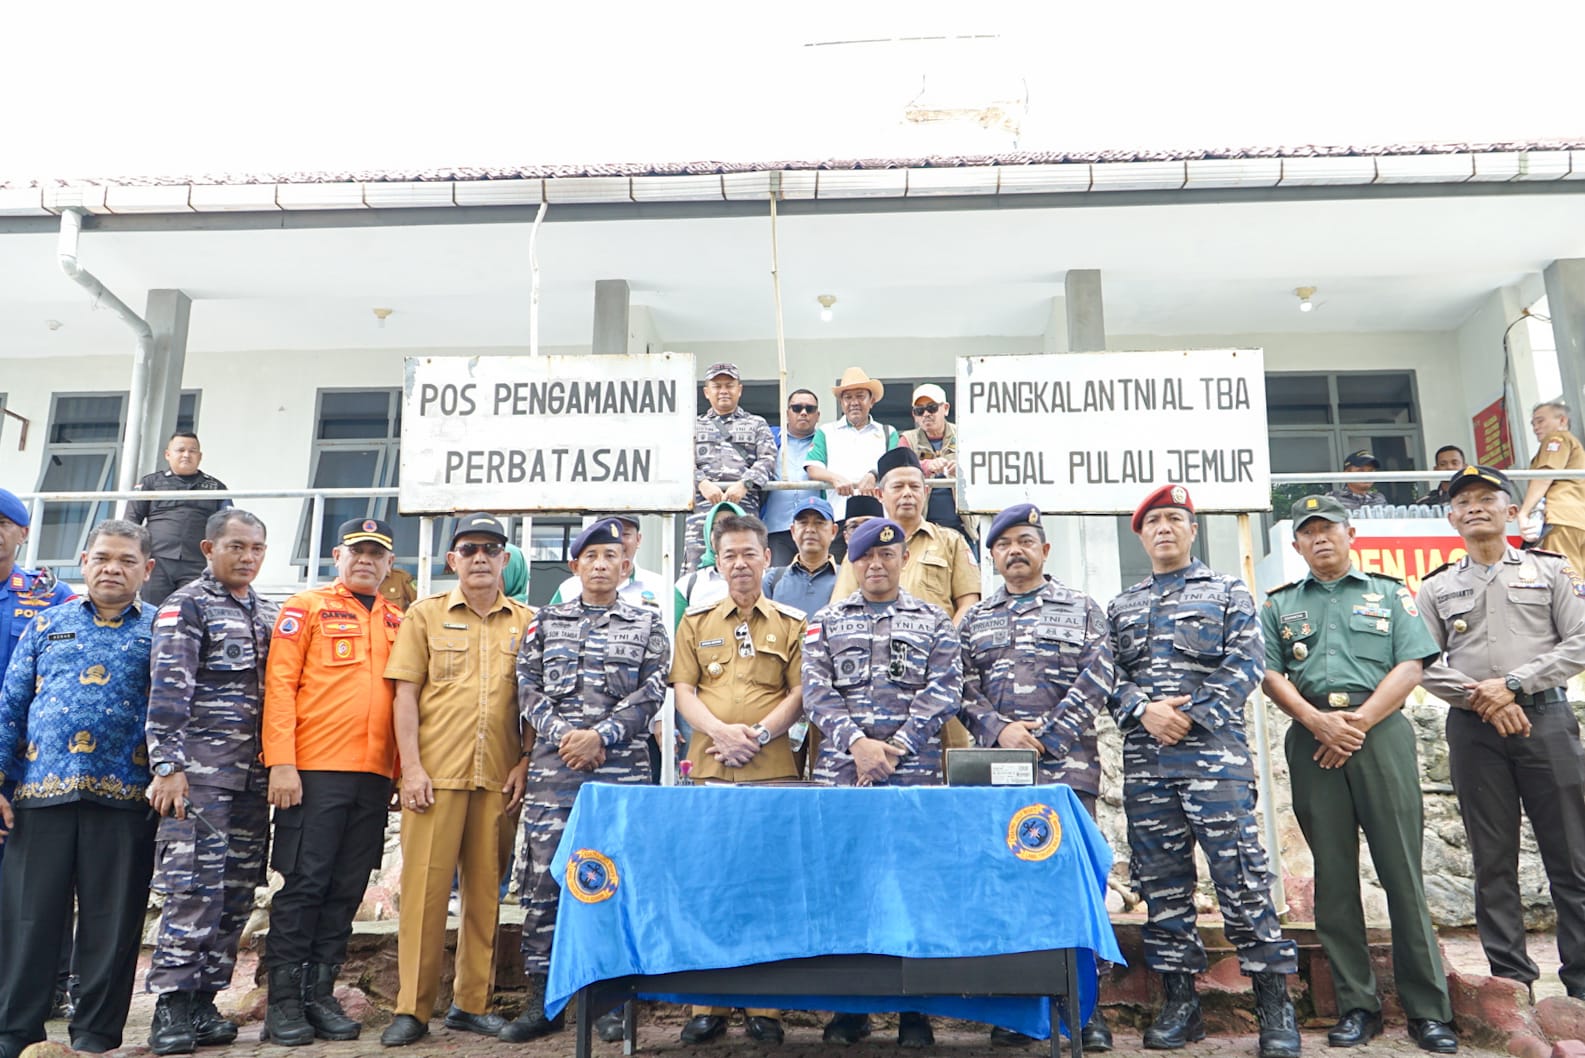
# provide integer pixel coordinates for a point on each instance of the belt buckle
(1337, 700)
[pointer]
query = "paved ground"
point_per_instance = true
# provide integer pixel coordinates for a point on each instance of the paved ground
(659, 1024)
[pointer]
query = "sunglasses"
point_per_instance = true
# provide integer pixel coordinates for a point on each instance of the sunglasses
(926, 409)
(803, 409)
(469, 550)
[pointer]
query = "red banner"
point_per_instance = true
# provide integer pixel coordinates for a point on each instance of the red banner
(1493, 439)
(1409, 558)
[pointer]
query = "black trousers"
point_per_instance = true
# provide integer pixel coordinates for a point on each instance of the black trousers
(1544, 773)
(782, 548)
(325, 848)
(169, 574)
(103, 857)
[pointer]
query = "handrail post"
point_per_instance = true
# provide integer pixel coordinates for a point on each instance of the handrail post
(316, 534)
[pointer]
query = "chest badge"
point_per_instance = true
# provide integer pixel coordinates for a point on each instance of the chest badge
(714, 668)
(1305, 629)
(1372, 596)
(1286, 633)
(1461, 625)
(1301, 651)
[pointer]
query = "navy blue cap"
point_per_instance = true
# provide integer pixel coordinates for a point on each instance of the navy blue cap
(16, 511)
(815, 502)
(901, 456)
(873, 533)
(1475, 473)
(1016, 515)
(605, 531)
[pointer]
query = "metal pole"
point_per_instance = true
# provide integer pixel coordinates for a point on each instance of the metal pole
(781, 334)
(30, 554)
(316, 539)
(668, 710)
(426, 550)
(1268, 805)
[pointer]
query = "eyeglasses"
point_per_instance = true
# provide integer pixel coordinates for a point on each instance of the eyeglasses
(469, 550)
(745, 640)
(926, 409)
(803, 409)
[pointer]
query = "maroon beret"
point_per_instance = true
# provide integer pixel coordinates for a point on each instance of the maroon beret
(1166, 496)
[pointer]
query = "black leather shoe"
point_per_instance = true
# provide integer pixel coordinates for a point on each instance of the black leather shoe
(1097, 1034)
(88, 1043)
(1354, 1028)
(209, 1028)
(171, 1031)
(703, 1028)
(608, 1026)
(404, 1030)
(1433, 1035)
(913, 1030)
(766, 1030)
(1001, 1037)
(531, 1025)
(1573, 993)
(846, 1029)
(485, 1024)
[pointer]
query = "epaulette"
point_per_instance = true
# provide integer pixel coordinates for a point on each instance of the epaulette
(1440, 569)
(1281, 587)
(790, 611)
(701, 607)
(1387, 576)
(1544, 551)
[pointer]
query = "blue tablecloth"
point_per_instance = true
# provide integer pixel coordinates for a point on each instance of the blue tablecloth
(666, 879)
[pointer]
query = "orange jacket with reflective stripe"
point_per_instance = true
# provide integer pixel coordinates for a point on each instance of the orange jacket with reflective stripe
(327, 703)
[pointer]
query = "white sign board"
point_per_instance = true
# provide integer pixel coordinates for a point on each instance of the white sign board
(547, 433)
(1094, 433)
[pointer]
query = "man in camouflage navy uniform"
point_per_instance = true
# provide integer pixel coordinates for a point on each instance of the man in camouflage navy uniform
(211, 643)
(1037, 668)
(1343, 648)
(882, 673)
(590, 675)
(1188, 652)
(729, 445)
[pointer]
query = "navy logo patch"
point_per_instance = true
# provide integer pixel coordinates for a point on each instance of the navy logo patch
(1034, 833)
(591, 876)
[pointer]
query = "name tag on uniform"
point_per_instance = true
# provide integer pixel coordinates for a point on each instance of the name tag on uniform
(61, 637)
(455, 627)
(712, 643)
(1297, 615)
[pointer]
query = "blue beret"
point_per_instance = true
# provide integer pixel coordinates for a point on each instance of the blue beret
(605, 531)
(13, 508)
(873, 532)
(1016, 515)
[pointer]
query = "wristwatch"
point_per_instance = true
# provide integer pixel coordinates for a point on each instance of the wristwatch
(164, 769)
(761, 734)
(1512, 683)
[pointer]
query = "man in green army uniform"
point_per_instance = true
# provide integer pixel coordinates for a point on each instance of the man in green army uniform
(1343, 649)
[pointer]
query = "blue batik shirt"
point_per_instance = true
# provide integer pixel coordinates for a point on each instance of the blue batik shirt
(73, 707)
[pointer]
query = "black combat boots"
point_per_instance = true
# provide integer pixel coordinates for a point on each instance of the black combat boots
(1179, 1021)
(532, 1023)
(1279, 1029)
(209, 1027)
(284, 1022)
(321, 1007)
(171, 1031)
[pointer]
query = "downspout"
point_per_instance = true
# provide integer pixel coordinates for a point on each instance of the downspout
(71, 229)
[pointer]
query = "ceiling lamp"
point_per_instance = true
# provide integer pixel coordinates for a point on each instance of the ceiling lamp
(380, 316)
(1304, 294)
(826, 301)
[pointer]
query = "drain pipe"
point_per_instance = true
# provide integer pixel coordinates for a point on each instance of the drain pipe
(71, 229)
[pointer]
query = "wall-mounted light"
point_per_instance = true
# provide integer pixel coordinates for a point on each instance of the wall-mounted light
(380, 315)
(826, 301)
(1304, 294)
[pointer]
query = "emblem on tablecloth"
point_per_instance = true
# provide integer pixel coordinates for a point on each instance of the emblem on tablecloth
(1034, 832)
(591, 876)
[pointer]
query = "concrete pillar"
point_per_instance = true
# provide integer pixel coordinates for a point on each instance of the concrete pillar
(168, 313)
(1086, 321)
(1055, 338)
(611, 298)
(1565, 299)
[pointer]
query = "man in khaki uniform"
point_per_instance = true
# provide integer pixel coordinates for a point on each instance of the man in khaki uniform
(455, 667)
(736, 673)
(1565, 497)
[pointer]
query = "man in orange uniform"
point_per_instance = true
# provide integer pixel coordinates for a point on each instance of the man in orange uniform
(331, 752)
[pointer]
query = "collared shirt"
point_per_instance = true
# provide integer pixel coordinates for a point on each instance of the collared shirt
(741, 690)
(1353, 501)
(808, 590)
(939, 570)
(1565, 499)
(1524, 616)
(780, 505)
(75, 699)
(177, 526)
(206, 695)
(23, 596)
(942, 507)
(1192, 632)
(643, 588)
(327, 703)
(465, 668)
(735, 447)
(892, 672)
(703, 585)
(1342, 635)
(848, 451)
(1041, 657)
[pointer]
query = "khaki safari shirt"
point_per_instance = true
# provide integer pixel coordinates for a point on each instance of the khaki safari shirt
(1565, 500)
(465, 667)
(939, 569)
(738, 689)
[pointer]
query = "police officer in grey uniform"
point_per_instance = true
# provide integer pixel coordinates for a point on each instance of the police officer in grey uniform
(591, 674)
(1512, 626)
(206, 696)
(1037, 667)
(882, 673)
(1188, 651)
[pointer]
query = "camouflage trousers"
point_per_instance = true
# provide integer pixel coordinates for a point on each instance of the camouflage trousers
(833, 767)
(208, 879)
(1166, 819)
(693, 528)
(552, 789)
